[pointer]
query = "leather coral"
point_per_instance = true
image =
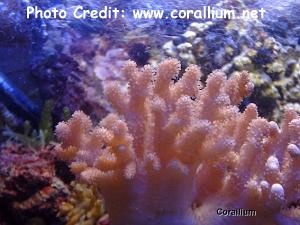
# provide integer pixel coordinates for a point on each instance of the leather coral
(170, 144)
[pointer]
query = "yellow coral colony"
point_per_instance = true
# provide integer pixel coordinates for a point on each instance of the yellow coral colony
(170, 144)
(83, 207)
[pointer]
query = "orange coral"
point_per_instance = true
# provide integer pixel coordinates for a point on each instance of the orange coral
(169, 143)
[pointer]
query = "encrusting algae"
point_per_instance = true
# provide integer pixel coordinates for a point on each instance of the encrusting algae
(171, 144)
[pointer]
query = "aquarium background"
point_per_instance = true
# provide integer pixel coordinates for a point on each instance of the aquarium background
(50, 68)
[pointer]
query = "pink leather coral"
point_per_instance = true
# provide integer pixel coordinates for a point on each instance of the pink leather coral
(170, 144)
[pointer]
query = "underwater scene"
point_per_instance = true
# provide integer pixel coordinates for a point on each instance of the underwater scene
(139, 112)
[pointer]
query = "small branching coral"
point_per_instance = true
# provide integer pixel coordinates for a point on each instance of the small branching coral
(171, 144)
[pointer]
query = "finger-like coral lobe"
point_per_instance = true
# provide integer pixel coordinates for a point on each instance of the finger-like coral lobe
(170, 144)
